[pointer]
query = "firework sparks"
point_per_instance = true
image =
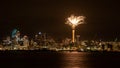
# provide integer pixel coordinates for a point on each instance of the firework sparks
(75, 20)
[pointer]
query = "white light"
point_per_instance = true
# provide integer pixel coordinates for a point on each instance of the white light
(88, 48)
(39, 33)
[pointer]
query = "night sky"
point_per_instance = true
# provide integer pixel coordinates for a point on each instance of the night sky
(31, 16)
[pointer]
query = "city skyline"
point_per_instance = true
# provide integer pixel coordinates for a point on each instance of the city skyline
(102, 17)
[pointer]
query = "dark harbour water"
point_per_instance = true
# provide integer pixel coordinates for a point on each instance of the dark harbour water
(46, 59)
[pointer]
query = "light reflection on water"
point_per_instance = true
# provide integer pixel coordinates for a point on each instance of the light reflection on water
(37, 59)
(90, 60)
(75, 60)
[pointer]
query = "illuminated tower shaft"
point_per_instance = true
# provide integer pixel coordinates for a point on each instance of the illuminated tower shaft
(73, 33)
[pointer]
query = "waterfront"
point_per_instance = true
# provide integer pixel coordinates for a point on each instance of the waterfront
(60, 34)
(48, 59)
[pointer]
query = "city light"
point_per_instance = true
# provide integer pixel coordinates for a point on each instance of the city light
(73, 21)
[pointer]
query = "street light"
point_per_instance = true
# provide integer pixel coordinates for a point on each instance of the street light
(73, 21)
